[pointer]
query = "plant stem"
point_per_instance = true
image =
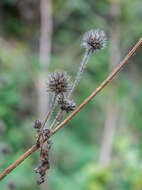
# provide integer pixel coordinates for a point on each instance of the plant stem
(80, 71)
(103, 84)
(58, 116)
(21, 159)
(50, 111)
(77, 79)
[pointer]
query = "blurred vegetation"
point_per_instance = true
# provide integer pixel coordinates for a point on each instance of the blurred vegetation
(76, 149)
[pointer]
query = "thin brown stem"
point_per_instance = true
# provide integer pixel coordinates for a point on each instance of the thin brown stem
(109, 78)
(21, 159)
(53, 123)
(60, 117)
(59, 114)
(48, 114)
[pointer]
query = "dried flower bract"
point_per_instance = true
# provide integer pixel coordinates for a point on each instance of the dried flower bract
(44, 163)
(94, 40)
(59, 82)
(37, 124)
(68, 105)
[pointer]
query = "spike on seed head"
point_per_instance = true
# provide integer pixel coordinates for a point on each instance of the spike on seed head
(68, 105)
(94, 40)
(59, 82)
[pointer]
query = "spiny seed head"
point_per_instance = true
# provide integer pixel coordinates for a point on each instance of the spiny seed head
(37, 124)
(94, 40)
(58, 82)
(68, 105)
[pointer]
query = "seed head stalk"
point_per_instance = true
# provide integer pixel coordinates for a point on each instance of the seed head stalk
(77, 79)
(57, 119)
(52, 107)
(80, 71)
(93, 41)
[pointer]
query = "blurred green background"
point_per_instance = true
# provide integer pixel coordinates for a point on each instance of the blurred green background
(99, 149)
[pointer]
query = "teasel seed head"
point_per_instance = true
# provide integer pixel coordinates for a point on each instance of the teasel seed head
(68, 105)
(94, 40)
(59, 82)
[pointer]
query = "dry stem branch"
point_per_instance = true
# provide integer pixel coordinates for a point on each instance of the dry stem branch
(86, 101)
(49, 113)
(21, 159)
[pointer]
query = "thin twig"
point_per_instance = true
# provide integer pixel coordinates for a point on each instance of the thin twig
(21, 159)
(80, 71)
(110, 77)
(49, 113)
(57, 119)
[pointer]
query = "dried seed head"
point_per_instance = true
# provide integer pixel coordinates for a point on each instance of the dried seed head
(46, 134)
(44, 154)
(68, 105)
(58, 82)
(37, 124)
(44, 163)
(94, 40)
